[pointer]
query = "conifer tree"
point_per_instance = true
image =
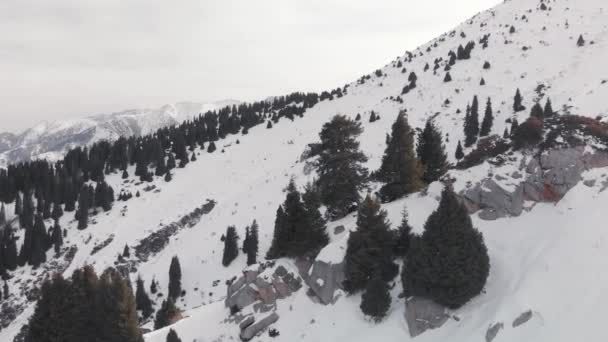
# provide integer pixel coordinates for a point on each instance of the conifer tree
(376, 300)
(581, 41)
(276, 249)
(340, 170)
(175, 279)
(166, 314)
(299, 227)
(471, 124)
(126, 252)
(514, 126)
(57, 211)
(269, 125)
(449, 263)
(250, 244)
(506, 134)
(57, 237)
(459, 152)
(153, 286)
(447, 78)
(142, 301)
(369, 248)
(537, 111)
(431, 153)
(82, 214)
(8, 248)
(39, 243)
(168, 176)
(5, 290)
(517, 102)
(488, 120)
(2, 215)
(400, 169)
(316, 237)
(231, 249)
(211, 147)
(404, 235)
(172, 336)
(548, 111)
(372, 117)
(117, 303)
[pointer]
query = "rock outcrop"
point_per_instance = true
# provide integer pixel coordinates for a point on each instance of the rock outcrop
(253, 329)
(523, 318)
(422, 314)
(546, 178)
(324, 279)
(493, 331)
(261, 290)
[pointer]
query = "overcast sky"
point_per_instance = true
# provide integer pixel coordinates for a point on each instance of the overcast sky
(69, 58)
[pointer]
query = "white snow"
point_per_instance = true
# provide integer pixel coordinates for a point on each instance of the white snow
(549, 260)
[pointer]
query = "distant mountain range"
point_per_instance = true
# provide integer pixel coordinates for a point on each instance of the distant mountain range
(50, 140)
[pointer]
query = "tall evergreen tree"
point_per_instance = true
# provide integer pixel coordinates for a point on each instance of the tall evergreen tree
(175, 279)
(548, 111)
(172, 336)
(340, 169)
(8, 248)
(231, 249)
(459, 152)
(404, 235)
(488, 120)
(449, 263)
(299, 227)
(142, 301)
(2, 215)
(376, 300)
(166, 314)
(471, 124)
(369, 248)
(85, 308)
(400, 169)
(82, 214)
(57, 237)
(517, 102)
(431, 153)
(537, 111)
(117, 303)
(250, 244)
(279, 237)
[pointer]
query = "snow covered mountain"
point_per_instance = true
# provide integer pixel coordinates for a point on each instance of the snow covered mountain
(541, 214)
(50, 140)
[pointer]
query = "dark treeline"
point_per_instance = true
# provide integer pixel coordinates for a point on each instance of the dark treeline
(43, 190)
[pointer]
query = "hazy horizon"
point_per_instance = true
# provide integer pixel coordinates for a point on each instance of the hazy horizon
(78, 59)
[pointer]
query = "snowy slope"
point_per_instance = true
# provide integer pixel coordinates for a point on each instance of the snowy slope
(548, 260)
(52, 139)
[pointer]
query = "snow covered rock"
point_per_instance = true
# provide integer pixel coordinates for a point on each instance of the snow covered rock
(325, 279)
(523, 318)
(249, 332)
(493, 331)
(422, 314)
(548, 178)
(253, 287)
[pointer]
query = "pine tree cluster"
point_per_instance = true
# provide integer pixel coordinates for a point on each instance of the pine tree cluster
(449, 263)
(299, 229)
(85, 308)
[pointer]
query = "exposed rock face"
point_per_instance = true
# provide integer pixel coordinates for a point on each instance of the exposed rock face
(422, 314)
(523, 318)
(493, 331)
(324, 279)
(249, 332)
(252, 288)
(547, 178)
